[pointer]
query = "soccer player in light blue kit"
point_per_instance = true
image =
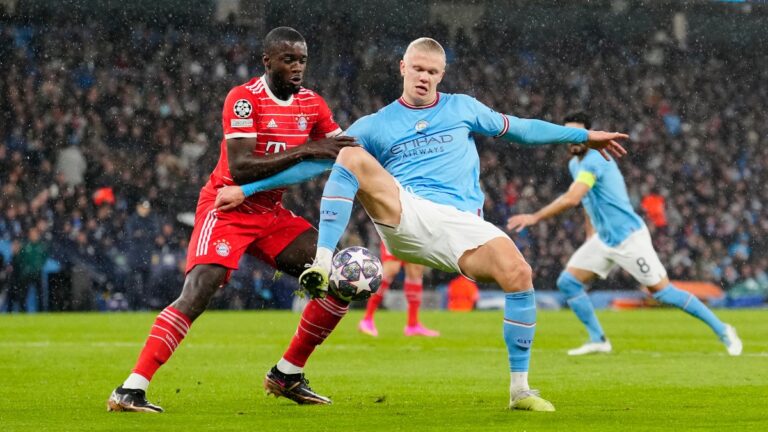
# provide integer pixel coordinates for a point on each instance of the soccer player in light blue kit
(616, 236)
(417, 176)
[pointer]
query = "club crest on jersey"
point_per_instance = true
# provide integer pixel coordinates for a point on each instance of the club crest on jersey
(421, 125)
(302, 122)
(222, 248)
(243, 108)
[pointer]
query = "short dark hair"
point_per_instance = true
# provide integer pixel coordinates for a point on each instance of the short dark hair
(579, 117)
(279, 35)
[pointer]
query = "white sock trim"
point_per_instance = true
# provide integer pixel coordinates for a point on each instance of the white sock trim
(136, 381)
(324, 258)
(288, 368)
(518, 382)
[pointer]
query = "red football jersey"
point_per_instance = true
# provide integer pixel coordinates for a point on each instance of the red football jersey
(251, 110)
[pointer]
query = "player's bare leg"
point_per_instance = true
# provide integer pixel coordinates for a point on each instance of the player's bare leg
(166, 334)
(501, 262)
(200, 285)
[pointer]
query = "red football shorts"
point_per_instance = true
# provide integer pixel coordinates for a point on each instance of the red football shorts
(222, 237)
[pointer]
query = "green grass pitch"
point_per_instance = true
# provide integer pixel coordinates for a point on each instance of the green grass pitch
(668, 372)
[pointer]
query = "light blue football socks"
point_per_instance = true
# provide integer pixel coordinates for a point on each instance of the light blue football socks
(336, 206)
(689, 303)
(519, 328)
(581, 305)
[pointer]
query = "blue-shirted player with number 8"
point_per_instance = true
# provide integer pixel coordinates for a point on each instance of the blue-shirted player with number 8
(417, 176)
(616, 236)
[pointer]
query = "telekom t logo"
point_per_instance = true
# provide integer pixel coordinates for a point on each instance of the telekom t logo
(275, 146)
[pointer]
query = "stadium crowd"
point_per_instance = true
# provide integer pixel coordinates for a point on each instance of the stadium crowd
(107, 133)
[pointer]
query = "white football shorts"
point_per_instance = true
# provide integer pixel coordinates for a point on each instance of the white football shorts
(635, 255)
(435, 235)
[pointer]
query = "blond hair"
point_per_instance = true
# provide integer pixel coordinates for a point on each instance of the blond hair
(426, 44)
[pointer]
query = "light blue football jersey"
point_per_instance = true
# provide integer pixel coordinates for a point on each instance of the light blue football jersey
(430, 150)
(607, 202)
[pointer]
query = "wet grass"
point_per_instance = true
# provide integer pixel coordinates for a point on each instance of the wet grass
(668, 372)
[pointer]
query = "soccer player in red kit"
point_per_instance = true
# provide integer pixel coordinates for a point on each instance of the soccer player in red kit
(413, 287)
(270, 123)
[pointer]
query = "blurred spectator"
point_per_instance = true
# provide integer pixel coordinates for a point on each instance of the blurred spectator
(167, 268)
(104, 195)
(5, 271)
(142, 230)
(653, 205)
(27, 272)
(462, 294)
(71, 164)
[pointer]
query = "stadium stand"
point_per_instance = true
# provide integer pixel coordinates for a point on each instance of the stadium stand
(101, 121)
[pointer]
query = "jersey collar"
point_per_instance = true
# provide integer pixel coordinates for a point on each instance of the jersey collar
(274, 98)
(414, 107)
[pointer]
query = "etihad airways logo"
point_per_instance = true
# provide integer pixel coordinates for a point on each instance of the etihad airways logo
(422, 145)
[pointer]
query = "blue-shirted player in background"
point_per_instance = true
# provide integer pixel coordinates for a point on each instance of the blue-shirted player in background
(417, 176)
(616, 236)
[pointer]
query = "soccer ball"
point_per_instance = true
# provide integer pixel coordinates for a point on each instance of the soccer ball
(355, 274)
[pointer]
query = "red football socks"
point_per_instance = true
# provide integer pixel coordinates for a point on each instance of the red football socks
(413, 288)
(318, 320)
(375, 301)
(166, 334)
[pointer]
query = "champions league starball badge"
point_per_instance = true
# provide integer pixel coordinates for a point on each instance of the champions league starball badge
(243, 108)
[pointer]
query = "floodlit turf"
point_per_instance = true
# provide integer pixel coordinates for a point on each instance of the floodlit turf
(668, 372)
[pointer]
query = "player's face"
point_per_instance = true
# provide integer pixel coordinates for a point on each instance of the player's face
(573, 148)
(285, 65)
(422, 71)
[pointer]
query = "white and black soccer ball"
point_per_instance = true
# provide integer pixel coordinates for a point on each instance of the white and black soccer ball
(355, 274)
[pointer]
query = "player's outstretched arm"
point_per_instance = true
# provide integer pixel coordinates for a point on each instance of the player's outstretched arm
(245, 168)
(568, 200)
(538, 132)
(232, 196)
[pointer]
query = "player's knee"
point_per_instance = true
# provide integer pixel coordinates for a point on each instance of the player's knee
(568, 284)
(199, 288)
(352, 158)
(654, 288)
(518, 274)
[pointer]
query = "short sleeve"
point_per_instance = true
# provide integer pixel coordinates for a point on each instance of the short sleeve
(485, 120)
(360, 130)
(238, 116)
(325, 126)
(594, 164)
